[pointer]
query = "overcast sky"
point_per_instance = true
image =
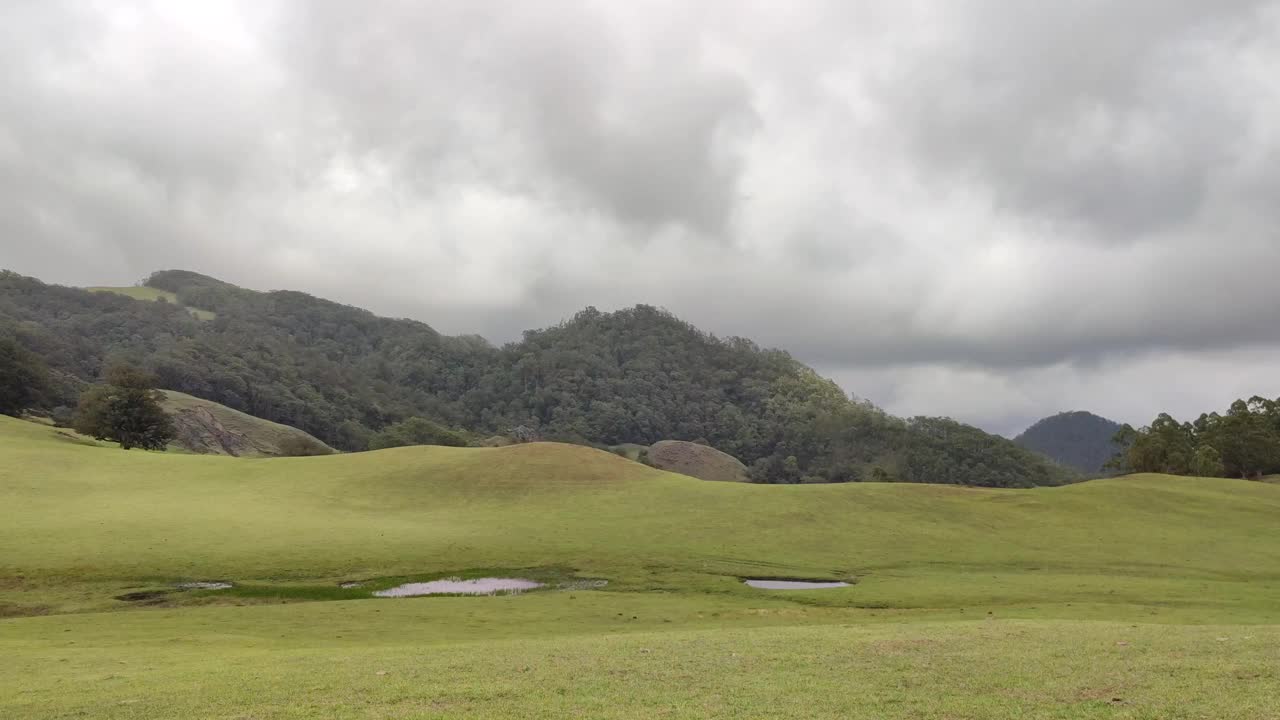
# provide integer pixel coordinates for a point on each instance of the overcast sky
(987, 209)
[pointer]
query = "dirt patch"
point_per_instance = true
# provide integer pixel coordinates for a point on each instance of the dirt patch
(458, 586)
(700, 461)
(17, 610)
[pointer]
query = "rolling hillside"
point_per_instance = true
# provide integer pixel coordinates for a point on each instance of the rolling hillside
(1004, 603)
(93, 521)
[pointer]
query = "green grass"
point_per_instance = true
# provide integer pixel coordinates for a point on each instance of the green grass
(968, 603)
(142, 292)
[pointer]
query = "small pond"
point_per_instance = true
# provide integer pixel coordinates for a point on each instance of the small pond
(458, 586)
(794, 584)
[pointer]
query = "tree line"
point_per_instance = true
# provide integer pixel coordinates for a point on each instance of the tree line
(1243, 442)
(636, 375)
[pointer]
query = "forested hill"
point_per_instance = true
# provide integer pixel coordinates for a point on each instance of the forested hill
(637, 375)
(1080, 440)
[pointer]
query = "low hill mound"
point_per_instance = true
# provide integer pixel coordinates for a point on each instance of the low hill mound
(209, 428)
(700, 461)
(1079, 440)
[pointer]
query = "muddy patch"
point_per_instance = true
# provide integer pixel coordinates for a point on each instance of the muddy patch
(458, 586)
(148, 597)
(762, 584)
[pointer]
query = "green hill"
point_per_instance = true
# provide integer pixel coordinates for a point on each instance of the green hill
(635, 376)
(1004, 603)
(205, 427)
(1080, 440)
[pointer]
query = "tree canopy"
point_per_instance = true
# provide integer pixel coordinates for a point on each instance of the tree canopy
(637, 375)
(24, 378)
(126, 410)
(1244, 442)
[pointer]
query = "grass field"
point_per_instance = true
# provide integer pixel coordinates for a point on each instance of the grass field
(142, 292)
(1141, 597)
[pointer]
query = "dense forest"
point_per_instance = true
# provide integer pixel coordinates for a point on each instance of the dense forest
(1242, 443)
(1079, 440)
(633, 376)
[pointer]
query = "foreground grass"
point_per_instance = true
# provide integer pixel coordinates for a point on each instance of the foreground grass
(549, 656)
(1143, 597)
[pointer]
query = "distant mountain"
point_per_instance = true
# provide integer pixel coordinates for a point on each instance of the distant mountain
(634, 376)
(1080, 440)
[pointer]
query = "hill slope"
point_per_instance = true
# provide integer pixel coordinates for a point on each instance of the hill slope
(1079, 439)
(1085, 601)
(205, 427)
(637, 375)
(88, 522)
(694, 460)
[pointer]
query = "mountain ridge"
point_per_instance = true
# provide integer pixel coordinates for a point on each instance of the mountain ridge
(637, 375)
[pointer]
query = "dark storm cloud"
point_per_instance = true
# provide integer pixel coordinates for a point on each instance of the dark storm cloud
(974, 207)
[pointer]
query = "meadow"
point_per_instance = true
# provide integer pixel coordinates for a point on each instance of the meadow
(1138, 597)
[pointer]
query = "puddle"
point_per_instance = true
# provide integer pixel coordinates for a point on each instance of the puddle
(350, 585)
(207, 585)
(458, 586)
(794, 584)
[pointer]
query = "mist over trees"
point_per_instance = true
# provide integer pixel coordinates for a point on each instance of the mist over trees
(637, 375)
(1243, 442)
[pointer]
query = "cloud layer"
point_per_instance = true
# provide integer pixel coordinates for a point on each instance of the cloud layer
(968, 207)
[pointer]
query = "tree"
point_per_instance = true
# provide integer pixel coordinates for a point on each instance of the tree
(1207, 462)
(416, 431)
(126, 410)
(24, 379)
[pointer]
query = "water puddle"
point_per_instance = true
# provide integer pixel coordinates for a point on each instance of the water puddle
(458, 586)
(206, 585)
(794, 584)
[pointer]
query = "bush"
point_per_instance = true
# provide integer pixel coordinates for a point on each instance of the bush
(416, 431)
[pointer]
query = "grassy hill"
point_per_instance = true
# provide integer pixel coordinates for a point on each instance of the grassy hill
(151, 294)
(207, 427)
(1015, 586)
(700, 461)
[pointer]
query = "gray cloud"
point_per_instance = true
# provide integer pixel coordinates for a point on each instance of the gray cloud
(988, 210)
